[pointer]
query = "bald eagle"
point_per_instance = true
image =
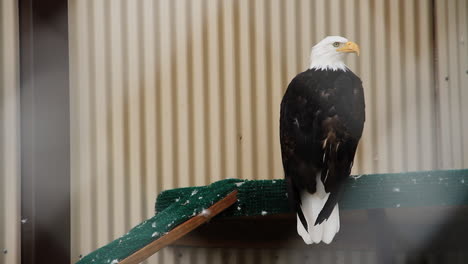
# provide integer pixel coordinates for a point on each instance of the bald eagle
(321, 121)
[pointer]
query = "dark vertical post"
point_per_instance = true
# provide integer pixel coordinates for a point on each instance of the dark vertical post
(45, 131)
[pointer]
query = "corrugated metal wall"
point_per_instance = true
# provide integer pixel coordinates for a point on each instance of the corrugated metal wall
(9, 134)
(169, 93)
(452, 81)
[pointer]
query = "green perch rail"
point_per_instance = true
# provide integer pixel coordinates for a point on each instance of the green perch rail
(267, 197)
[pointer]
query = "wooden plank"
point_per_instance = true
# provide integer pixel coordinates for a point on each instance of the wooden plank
(181, 230)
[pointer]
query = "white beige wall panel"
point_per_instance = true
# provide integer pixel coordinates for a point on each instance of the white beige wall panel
(186, 92)
(452, 81)
(9, 135)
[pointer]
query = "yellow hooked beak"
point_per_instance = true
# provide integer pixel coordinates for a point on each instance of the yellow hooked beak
(349, 47)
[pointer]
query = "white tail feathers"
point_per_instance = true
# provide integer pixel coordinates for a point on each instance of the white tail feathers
(311, 206)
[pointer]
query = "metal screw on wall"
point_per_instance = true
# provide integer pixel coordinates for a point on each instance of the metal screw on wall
(446, 78)
(5, 251)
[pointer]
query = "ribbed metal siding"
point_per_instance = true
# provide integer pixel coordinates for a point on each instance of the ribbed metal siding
(452, 81)
(169, 93)
(9, 134)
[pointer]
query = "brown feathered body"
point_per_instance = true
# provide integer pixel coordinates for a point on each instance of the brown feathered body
(321, 121)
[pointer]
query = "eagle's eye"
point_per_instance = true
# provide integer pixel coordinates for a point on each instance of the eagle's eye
(336, 44)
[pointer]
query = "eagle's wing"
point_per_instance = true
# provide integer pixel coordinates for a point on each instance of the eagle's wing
(342, 130)
(299, 130)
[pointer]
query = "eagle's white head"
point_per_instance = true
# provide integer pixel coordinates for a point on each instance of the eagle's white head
(329, 53)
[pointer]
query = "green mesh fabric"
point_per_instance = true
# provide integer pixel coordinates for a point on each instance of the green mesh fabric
(253, 198)
(264, 197)
(411, 189)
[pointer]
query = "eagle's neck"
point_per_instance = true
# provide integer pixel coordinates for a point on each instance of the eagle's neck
(324, 61)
